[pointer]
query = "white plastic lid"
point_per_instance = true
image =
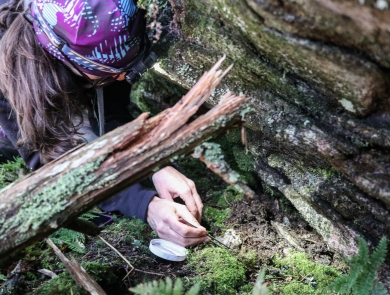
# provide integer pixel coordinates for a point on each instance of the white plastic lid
(167, 250)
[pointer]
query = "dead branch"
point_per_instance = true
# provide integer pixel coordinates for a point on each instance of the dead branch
(50, 197)
(211, 155)
(77, 272)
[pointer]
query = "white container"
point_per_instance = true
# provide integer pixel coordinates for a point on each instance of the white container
(168, 250)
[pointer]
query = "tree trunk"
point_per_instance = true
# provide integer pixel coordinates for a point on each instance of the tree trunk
(52, 196)
(317, 74)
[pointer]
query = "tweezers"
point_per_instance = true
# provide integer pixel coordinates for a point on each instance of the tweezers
(212, 238)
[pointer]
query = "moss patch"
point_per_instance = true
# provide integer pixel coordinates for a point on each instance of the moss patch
(302, 276)
(10, 171)
(219, 272)
(215, 217)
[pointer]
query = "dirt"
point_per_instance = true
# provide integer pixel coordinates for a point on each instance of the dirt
(264, 227)
(261, 224)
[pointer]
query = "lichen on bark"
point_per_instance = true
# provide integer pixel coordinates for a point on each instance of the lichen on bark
(317, 73)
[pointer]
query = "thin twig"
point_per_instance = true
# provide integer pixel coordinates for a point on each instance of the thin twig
(120, 255)
(149, 272)
(224, 196)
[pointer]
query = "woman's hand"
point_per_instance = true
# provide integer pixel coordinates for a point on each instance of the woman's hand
(163, 216)
(170, 184)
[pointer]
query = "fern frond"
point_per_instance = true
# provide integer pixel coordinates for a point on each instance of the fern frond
(164, 288)
(178, 287)
(194, 290)
(379, 254)
(361, 279)
(259, 288)
(340, 285)
(89, 215)
(74, 240)
(379, 290)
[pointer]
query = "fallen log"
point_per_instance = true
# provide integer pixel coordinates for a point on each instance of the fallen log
(51, 197)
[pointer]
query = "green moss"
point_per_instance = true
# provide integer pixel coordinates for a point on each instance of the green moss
(248, 258)
(326, 173)
(220, 273)
(215, 217)
(244, 160)
(303, 275)
(10, 171)
(153, 92)
(130, 230)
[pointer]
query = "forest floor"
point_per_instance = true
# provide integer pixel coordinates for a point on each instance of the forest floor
(264, 233)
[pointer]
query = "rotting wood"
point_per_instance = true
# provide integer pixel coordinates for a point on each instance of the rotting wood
(210, 154)
(47, 199)
(79, 274)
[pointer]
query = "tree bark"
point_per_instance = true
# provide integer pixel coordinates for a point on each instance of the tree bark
(317, 73)
(55, 194)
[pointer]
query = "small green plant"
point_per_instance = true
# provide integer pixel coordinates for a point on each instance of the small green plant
(144, 4)
(73, 239)
(164, 288)
(10, 171)
(222, 273)
(3, 277)
(361, 278)
(259, 288)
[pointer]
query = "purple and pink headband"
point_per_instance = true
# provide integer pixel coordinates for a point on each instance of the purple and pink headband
(100, 37)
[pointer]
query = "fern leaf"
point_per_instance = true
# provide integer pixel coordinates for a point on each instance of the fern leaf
(168, 285)
(73, 239)
(194, 290)
(178, 287)
(340, 285)
(259, 288)
(164, 288)
(379, 254)
(361, 279)
(379, 290)
(363, 254)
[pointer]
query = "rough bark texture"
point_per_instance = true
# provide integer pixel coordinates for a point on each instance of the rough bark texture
(52, 196)
(317, 72)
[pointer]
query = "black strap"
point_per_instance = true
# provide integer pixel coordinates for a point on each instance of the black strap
(100, 97)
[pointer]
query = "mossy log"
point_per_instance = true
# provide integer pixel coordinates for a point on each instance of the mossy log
(52, 196)
(317, 72)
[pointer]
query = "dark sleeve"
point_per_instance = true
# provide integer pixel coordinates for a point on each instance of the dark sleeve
(10, 127)
(132, 202)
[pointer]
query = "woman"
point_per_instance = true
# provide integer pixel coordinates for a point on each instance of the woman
(55, 58)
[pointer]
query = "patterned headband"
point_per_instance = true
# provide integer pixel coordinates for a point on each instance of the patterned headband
(99, 37)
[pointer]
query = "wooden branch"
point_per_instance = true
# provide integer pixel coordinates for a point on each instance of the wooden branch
(79, 274)
(50, 197)
(211, 155)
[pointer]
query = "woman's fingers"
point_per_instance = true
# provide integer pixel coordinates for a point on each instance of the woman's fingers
(163, 216)
(170, 183)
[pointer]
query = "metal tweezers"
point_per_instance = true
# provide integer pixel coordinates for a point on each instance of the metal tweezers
(212, 238)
